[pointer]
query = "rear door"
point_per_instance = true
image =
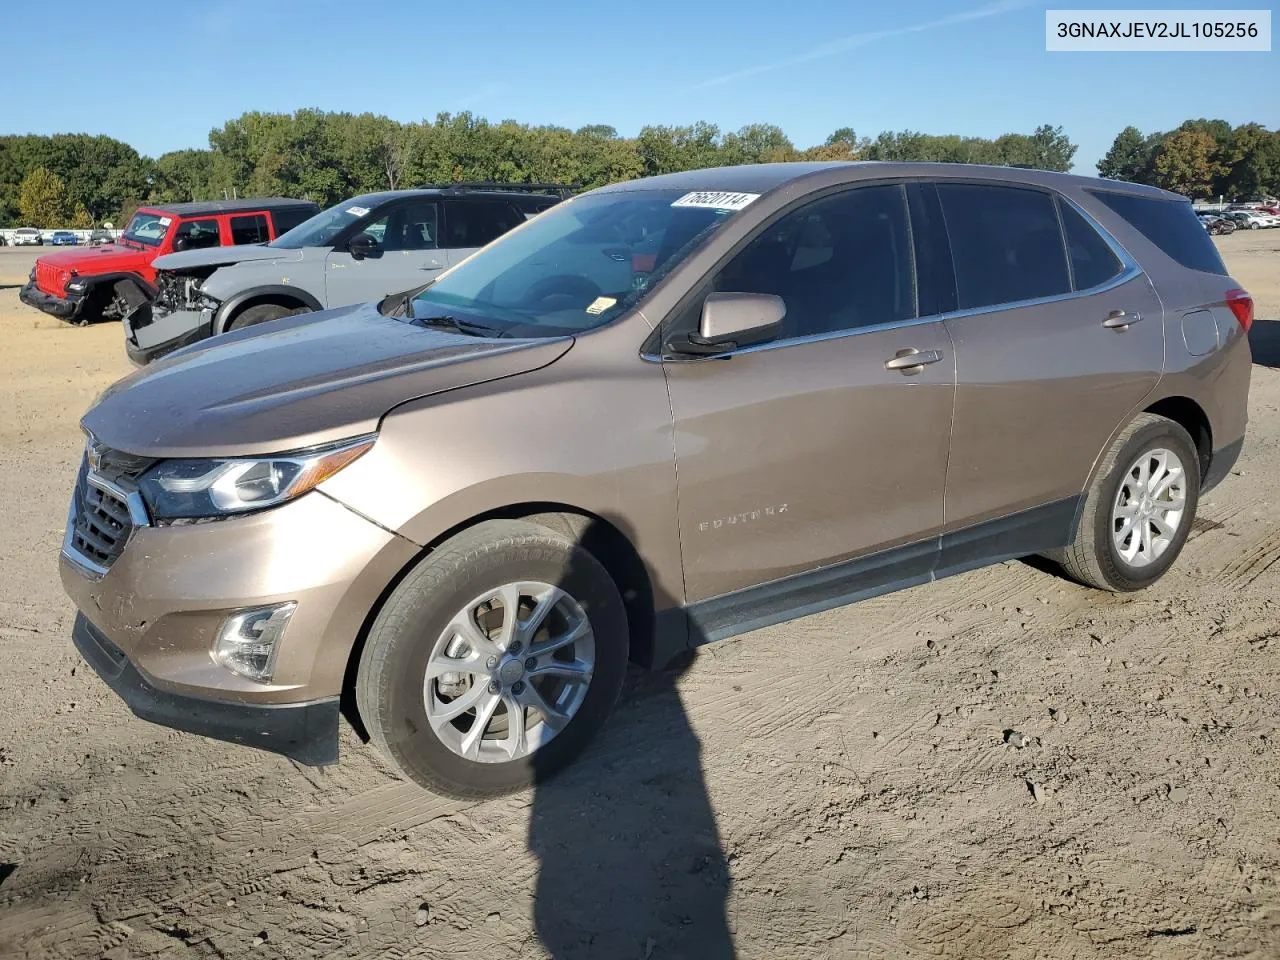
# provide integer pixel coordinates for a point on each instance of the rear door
(470, 223)
(1058, 336)
(408, 256)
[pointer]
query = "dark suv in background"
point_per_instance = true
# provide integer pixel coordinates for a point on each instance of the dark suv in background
(661, 413)
(361, 249)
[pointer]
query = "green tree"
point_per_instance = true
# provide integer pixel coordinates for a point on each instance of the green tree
(1185, 163)
(1128, 159)
(81, 219)
(42, 199)
(1252, 159)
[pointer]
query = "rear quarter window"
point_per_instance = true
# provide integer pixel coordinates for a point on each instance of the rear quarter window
(1093, 262)
(1171, 225)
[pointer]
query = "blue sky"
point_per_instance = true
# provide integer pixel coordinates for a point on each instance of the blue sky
(171, 71)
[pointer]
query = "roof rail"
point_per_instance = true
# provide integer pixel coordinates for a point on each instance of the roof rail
(561, 190)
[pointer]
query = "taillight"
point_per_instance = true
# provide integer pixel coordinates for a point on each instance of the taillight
(1241, 305)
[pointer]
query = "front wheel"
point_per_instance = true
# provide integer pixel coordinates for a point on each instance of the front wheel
(261, 314)
(1139, 509)
(495, 660)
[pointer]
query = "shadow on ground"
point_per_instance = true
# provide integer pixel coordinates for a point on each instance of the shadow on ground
(630, 863)
(1264, 341)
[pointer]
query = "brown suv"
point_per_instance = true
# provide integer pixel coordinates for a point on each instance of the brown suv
(658, 414)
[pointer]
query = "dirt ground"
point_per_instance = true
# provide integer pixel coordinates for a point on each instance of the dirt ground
(840, 786)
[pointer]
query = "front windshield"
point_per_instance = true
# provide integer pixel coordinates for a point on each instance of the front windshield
(148, 228)
(576, 266)
(320, 230)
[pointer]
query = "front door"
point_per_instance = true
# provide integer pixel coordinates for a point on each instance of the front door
(408, 255)
(822, 445)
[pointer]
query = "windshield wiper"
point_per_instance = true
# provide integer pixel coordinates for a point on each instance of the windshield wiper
(462, 326)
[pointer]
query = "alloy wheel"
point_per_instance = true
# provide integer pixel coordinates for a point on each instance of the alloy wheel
(509, 672)
(1149, 507)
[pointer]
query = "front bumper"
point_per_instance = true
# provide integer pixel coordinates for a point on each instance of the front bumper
(149, 334)
(160, 605)
(64, 308)
(305, 732)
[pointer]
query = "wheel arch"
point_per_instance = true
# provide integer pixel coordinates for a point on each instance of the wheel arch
(280, 294)
(1191, 417)
(600, 537)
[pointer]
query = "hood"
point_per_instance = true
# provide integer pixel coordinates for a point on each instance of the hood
(93, 260)
(222, 256)
(297, 381)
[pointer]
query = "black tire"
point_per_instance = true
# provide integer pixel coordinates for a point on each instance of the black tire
(1092, 557)
(261, 313)
(389, 682)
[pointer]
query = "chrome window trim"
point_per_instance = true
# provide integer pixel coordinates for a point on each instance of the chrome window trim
(137, 517)
(1129, 270)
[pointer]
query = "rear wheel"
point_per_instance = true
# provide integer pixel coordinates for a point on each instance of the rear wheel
(1138, 512)
(495, 660)
(262, 313)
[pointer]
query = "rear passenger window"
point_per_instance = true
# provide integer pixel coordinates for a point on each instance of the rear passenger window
(838, 263)
(1093, 262)
(250, 229)
(1005, 244)
(1171, 225)
(473, 223)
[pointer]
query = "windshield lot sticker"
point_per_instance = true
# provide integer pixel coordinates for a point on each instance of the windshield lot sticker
(165, 221)
(601, 304)
(357, 211)
(716, 199)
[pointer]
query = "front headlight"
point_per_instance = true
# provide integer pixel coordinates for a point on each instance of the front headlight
(193, 489)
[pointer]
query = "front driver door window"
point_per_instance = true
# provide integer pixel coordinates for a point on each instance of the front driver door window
(196, 234)
(407, 256)
(808, 451)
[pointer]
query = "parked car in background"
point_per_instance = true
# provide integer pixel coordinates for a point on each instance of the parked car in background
(661, 413)
(106, 282)
(1252, 219)
(63, 238)
(1217, 225)
(361, 249)
(99, 237)
(28, 237)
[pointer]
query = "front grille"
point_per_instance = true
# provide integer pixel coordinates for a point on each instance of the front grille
(101, 521)
(47, 278)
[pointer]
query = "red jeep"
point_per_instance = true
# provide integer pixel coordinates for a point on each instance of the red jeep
(106, 282)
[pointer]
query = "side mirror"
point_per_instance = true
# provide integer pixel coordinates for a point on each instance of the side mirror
(182, 243)
(363, 245)
(733, 320)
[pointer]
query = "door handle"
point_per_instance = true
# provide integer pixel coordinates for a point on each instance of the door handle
(1120, 320)
(911, 360)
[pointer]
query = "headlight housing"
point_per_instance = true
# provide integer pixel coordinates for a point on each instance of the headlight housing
(215, 488)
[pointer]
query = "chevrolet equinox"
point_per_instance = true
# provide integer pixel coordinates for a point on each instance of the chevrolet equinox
(662, 413)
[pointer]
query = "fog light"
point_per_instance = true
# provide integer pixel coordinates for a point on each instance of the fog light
(248, 641)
